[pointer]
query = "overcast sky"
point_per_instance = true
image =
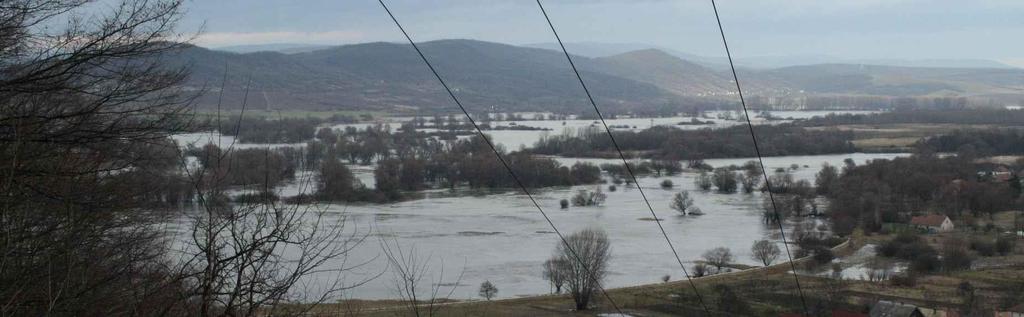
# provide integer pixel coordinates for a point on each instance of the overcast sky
(907, 29)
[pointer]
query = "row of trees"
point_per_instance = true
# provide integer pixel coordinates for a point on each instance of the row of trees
(408, 160)
(249, 166)
(725, 180)
(892, 190)
(976, 143)
(261, 129)
(655, 167)
(580, 265)
(676, 144)
(929, 116)
(477, 167)
(924, 258)
(764, 251)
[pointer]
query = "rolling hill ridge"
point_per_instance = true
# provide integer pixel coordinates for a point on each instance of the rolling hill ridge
(490, 76)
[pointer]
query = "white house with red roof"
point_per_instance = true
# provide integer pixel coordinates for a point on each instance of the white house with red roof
(932, 223)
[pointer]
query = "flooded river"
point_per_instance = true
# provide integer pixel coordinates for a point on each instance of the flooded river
(501, 237)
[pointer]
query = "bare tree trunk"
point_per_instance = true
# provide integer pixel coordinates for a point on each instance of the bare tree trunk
(409, 273)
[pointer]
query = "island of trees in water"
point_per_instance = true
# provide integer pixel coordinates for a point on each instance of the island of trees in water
(406, 161)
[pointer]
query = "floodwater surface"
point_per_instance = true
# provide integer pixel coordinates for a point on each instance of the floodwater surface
(464, 237)
(501, 237)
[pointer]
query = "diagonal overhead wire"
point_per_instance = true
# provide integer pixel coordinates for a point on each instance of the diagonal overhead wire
(623, 157)
(760, 159)
(501, 159)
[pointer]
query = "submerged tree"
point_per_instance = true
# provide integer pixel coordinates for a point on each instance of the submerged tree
(556, 271)
(751, 176)
(749, 180)
(724, 180)
(335, 181)
(589, 198)
(667, 184)
(681, 202)
(703, 181)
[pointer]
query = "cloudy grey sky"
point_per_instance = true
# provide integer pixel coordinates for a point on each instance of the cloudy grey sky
(906, 29)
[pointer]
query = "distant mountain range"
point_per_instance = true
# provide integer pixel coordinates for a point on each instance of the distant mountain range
(591, 49)
(498, 77)
(286, 48)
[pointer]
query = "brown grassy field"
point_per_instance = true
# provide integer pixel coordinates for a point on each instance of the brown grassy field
(760, 292)
(898, 137)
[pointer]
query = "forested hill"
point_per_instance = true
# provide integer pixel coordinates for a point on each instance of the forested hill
(498, 77)
(386, 76)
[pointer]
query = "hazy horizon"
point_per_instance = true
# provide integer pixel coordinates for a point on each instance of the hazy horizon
(848, 29)
(601, 49)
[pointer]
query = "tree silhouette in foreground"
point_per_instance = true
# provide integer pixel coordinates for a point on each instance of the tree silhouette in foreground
(586, 269)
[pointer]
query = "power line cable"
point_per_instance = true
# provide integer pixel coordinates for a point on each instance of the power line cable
(501, 159)
(623, 157)
(760, 159)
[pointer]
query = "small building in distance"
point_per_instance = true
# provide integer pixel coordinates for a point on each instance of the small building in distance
(1015, 311)
(885, 308)
(932, 223)
(995, 172)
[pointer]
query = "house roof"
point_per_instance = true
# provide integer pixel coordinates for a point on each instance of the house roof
(891, 309)
(928, 220)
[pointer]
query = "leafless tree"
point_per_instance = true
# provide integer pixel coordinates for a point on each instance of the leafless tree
(718, 257)
(247, 259)
(589, 198)
(703, 181)
(681, 202)
(783, 206)
(488, 290)
(724, 180)
(586, 254)
(410, 272)
(555, 271)
(750, 179)
(765, 251)
(86, 105)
